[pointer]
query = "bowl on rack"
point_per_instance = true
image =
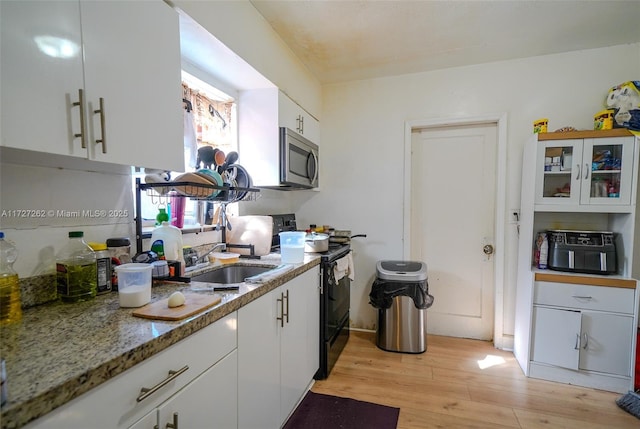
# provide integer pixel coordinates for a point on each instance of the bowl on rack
(196, 185)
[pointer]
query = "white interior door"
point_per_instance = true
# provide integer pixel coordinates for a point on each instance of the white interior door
(453, 194)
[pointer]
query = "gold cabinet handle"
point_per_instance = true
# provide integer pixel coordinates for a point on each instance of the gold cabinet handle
(281, 301)
(82, 135)
(174, 424)
(102, 140)
(145, 392)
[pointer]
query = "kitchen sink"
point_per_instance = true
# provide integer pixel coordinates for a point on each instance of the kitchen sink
(230, 274)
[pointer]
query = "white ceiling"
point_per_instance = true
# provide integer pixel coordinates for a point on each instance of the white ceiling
(349, 40)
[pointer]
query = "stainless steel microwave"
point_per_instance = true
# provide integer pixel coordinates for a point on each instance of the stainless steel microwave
(299, 160)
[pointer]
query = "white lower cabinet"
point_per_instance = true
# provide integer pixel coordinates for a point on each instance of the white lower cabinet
(278, 351)
(195, 378)
(209, 401)
(583, 334)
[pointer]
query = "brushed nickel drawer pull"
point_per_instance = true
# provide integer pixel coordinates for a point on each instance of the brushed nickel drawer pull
(173, 425)
(287, 298)
(102, 140)
(281, 301)
(581, 297)
(146, 392)
(586, 340)
(83, 133)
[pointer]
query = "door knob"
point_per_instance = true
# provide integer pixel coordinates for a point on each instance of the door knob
(488, 249)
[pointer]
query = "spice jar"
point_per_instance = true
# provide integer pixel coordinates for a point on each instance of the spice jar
(103, 266)
(120, 248)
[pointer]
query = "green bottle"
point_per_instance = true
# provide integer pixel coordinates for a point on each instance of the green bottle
(162, 216)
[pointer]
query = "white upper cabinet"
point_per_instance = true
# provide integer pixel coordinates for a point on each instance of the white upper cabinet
(261, 113)
(292, 116)
(41, 74)
(578, 173)
(123, 57)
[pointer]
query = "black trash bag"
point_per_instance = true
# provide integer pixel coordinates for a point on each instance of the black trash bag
(383, 292)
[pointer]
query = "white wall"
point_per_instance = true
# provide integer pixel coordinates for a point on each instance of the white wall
(363, 142)
(239, 26)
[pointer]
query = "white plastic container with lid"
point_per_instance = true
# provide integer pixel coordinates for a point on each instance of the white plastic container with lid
(134, 284)
(172, 241)
(292, 246)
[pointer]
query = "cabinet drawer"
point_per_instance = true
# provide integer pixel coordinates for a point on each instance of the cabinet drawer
(618, 300)
(198, 351)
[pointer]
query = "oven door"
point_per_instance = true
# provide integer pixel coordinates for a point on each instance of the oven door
(337, 299)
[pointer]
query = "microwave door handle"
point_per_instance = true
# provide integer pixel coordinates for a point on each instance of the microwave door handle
(315, 170)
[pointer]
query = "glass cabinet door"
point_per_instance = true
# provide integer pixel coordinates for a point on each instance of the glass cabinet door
(595, 171)
(559, 172)
(607, 171)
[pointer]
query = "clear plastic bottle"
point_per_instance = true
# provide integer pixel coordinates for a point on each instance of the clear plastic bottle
(10, 304)
(76, 270)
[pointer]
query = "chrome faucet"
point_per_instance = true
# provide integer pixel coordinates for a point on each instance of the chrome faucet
(217, 246)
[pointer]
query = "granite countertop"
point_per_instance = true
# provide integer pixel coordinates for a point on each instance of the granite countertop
(60, 351)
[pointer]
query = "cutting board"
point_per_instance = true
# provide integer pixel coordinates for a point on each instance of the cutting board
(256, 230)
(194, 303)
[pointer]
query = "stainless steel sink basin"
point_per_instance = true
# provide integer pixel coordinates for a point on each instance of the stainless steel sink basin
(230, 274)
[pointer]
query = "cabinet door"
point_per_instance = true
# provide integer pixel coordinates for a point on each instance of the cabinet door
(259, 362)
(292, 116)
(607, 166)
(132, 62)
(210, 401)
(559, 172)
(556, 337)
(40, 76)
(606, 343)
(299, 358)
(150, 421)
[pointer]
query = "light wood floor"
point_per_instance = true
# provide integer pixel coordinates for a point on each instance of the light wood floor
(445, 388)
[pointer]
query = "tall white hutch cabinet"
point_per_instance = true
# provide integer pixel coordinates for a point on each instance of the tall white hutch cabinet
(579, 328)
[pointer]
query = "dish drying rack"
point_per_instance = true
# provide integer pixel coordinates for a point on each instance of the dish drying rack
(193, 191)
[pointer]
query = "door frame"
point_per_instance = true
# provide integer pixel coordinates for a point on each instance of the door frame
(500, 120)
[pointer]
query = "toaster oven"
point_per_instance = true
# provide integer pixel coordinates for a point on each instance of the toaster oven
(591, 252)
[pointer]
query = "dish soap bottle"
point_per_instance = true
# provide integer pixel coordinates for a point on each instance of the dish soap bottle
(76, 270)
(10, 305)
(162, 216)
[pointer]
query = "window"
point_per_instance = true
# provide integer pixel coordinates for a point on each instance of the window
(210, 120)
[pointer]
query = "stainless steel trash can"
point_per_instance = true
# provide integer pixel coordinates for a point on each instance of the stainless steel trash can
(402, 327)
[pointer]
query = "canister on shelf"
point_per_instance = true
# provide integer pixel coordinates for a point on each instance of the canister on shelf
(603, 120)
(540, 126)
